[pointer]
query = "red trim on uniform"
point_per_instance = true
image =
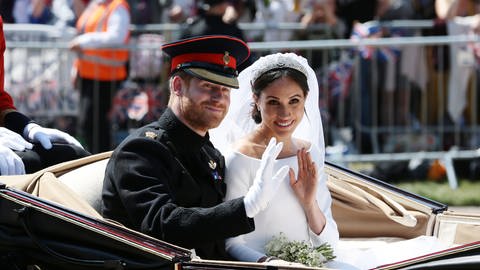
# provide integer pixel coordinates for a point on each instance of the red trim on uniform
(212, 58)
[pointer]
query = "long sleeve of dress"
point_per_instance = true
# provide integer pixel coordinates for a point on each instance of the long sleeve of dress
(270, 222)
(239, 177)
(330, 231)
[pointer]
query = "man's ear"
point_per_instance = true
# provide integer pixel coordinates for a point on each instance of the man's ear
(177, 86)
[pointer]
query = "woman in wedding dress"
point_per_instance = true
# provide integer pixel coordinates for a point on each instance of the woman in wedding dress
(278, 97)
(281, 89)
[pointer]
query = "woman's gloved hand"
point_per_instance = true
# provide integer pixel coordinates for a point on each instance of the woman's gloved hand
(266, 183)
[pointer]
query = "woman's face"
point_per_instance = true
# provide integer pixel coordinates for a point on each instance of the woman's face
(281, 105)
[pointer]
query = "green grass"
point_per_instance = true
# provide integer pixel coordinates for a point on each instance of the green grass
(467, 193)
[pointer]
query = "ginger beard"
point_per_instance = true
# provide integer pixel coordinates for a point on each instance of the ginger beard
(203, 110)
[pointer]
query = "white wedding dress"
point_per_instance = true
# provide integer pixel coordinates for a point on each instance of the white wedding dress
(383, 252)
(284, 213)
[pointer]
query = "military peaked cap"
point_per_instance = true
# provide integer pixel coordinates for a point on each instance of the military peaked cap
(213, 58)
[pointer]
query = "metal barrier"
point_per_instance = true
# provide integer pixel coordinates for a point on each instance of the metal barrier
(37, 72)
(395, 101)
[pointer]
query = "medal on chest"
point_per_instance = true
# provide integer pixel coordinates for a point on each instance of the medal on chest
(213, 165)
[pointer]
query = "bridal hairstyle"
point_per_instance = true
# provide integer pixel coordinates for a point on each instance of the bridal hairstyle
(271, 75)
(239, 122)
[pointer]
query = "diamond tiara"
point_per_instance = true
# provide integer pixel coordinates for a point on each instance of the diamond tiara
(276, 61)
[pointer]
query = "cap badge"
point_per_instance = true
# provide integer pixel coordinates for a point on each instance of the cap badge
(151, 135)
(212, 164)
(226, 58)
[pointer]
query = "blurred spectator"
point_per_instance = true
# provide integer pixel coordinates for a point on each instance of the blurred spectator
(145, 11)
(53, 12)
(272, 12)
(100, 69)
(216, 17)
(64, 12)
(246, 10)
(381, 85)
(322, 22)
(424, 9)
(449, 9)
(78, 6)
(6, 10)
(20, 11)
(40, 11)
(26, 147)
(356, 11)
(462, 17)
(388, 10)
(179, 11)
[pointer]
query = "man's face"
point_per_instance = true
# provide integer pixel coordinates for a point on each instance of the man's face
(204, 104)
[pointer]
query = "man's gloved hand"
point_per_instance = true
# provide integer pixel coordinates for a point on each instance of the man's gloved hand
(265, 184)
(11, 163)
(47, 136)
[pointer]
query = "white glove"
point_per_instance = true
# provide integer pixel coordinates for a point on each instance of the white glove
(265, 184)
(46, 136)
(13, 140)
(11, 163)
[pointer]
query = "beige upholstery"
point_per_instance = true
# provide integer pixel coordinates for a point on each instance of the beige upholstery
(80, 186)
(87, 181)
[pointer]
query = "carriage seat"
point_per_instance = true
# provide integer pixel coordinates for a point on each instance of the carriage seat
(87, 181)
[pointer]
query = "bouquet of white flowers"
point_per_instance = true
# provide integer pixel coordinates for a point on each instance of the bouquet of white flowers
(299, 251)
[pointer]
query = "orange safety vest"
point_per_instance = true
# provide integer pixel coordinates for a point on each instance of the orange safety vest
(101, 64)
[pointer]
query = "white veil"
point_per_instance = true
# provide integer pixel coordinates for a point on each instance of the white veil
(238, 121)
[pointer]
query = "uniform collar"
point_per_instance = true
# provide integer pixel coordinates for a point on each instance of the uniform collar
(184, 138)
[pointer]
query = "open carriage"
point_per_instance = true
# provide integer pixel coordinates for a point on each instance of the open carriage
(50, 220)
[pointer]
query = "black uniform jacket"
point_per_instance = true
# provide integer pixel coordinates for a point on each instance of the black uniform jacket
(167, 181)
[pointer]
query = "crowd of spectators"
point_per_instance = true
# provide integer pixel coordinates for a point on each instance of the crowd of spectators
(389, 76)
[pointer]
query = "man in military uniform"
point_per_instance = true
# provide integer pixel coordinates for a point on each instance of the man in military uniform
(166, 178)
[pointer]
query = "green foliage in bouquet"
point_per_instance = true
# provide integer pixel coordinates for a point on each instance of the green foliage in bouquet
(299, 251)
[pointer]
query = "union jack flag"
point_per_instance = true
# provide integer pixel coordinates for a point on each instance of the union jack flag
(373, 30)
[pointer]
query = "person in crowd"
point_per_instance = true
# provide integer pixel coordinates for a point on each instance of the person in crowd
(277, 90)
(100, 68)
(448, 9)
(322, 12)
(462, 17)
(216, 17)
(146, 11)
(273, 12)
(26, 147)
(6, 10)
(78, 6)
(53, 12)
(212, 21)
(40, 11)
(179, 11)
(167, 179)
